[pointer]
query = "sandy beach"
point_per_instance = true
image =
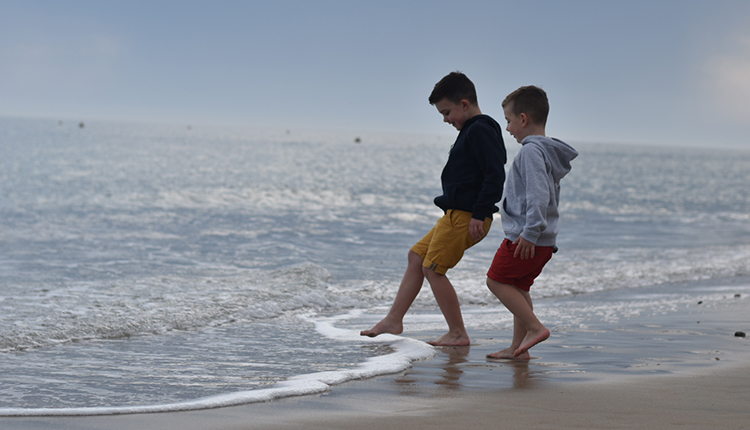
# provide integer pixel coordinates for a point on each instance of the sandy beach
(682, 368)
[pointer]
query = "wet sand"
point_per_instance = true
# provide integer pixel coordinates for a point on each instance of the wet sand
(680, 368)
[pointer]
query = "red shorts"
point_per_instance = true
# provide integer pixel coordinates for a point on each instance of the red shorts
(510, 270)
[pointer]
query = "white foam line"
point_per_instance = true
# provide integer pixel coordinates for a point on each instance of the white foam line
(405, 351)
(283, 389)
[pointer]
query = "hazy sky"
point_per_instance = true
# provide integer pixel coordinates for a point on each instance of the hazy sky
(617, 71)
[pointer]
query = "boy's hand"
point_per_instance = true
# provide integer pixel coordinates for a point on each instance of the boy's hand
(524, 248)
(476, 229)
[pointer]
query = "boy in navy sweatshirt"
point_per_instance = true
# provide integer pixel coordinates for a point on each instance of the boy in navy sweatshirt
(472, 183)
(529, 215)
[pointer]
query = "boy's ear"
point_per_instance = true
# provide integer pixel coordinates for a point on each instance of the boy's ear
(465, 104)
(524, 119)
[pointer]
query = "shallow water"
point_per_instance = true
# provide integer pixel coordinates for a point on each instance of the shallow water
(144, 265)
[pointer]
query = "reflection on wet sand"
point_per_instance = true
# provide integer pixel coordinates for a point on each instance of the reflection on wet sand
(450, 370)
(451, 374)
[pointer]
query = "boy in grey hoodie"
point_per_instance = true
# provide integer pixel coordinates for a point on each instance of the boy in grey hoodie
(529, 215)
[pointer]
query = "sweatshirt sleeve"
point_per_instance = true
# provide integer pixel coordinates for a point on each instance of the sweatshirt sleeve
(489, 151)
(535, 177)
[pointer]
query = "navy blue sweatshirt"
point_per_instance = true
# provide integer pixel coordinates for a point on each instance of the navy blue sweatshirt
(474, 175)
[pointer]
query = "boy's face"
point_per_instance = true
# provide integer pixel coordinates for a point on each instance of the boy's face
(454, 114)
(516, 123)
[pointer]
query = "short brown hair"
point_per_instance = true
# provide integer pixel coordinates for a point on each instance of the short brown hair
(530, 100)
(454, 87)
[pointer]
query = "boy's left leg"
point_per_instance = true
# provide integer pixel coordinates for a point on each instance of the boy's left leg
(449, 306)
(519, 304)
(510, 278)
(519, 333)
(451, 238)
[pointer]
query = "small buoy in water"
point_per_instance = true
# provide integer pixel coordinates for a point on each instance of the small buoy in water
(81, 124)
(739, 334)
(737, 296)
(357, 140)
(700, 302)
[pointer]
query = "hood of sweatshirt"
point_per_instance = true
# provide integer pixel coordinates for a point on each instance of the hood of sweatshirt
(559, 154)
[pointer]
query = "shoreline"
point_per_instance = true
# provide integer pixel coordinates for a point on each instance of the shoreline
(646, 365)
(705, 397)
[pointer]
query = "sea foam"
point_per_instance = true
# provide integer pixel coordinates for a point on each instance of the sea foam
(404, 352)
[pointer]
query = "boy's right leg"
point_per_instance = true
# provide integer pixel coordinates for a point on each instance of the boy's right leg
(410, 286)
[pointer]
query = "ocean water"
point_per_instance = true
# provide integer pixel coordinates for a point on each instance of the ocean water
(149, 268)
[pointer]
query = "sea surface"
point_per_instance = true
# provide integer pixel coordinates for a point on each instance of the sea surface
(161, 267)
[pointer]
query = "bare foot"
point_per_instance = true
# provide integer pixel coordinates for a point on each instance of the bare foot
(450, 339)
(507, 354)
(531, 339)
(384, 326)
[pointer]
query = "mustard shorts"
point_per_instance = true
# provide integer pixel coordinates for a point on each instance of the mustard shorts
(443, 247)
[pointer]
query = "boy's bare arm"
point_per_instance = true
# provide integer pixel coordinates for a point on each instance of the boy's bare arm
(524, 248)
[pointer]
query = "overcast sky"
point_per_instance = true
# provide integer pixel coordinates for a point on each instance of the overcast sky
(615, 71)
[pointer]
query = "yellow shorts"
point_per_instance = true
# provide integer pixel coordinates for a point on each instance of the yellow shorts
(443, 247)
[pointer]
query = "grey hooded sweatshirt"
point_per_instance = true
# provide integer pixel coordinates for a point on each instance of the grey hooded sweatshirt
(532, 190)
